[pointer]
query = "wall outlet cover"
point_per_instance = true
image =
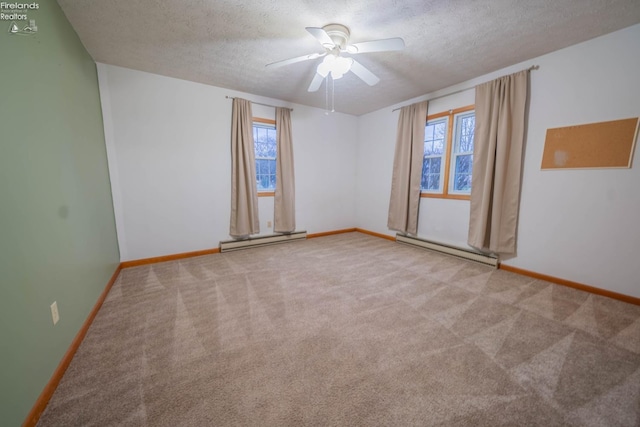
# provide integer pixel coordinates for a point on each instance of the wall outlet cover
(55, 316)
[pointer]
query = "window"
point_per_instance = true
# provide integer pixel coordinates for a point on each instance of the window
(448, 154)
(435, 138)
(264, 138)
(462, 153)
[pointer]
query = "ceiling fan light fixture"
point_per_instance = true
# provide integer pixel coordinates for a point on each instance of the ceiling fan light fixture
(338, 66)
(341, 66)
(324, 67)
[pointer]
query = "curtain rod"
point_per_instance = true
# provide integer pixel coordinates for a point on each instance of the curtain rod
(258, 103)
(533, 67)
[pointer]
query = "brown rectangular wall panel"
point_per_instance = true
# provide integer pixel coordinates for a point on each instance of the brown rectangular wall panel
(596, 145)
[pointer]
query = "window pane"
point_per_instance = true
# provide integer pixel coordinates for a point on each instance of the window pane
(431, 167)
(271, 143)
(263, 183)
(435, 163)
(465, 126)
(433, 181)
(462, 178)
(434, 137)
(265, 141)
(266, 174)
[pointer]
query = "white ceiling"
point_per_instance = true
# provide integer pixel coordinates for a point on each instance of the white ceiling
(227, 43)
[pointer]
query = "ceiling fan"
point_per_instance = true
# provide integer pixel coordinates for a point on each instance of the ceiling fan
(334, 39)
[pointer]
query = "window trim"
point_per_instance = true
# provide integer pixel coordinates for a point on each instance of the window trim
(268, 122)
(448, 154)
(265, 121)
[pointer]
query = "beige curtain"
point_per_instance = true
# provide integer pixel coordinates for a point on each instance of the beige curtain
(284, 217)
(497, 163)
(244, 193)
(407, 169)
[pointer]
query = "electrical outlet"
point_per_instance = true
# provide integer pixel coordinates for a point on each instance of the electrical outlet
(55, 316)
(268, 224)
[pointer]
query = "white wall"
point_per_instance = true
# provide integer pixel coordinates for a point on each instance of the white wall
(169, 157)
(579, 225)
(582, 225)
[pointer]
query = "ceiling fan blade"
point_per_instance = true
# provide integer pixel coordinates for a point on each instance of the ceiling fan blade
(384, 45)
(294, 60)
(367, 76)
(322, 36)
(316, 82)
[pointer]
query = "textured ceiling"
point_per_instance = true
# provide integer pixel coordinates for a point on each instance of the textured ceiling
(227, 43)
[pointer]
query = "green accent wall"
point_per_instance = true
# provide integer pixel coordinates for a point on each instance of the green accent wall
(57, 228)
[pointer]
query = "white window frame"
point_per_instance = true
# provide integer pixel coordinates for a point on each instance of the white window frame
(457, 120)
(443, 156)
(269, 124)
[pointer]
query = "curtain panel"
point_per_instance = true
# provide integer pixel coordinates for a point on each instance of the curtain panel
(407, 169)
(244, 193)
(497, 163)
(284, 216)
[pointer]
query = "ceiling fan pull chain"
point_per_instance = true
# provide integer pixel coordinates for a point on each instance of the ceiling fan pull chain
(333, 95)
(326, 97)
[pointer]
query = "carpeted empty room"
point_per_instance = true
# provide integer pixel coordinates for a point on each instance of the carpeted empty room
(350, 329)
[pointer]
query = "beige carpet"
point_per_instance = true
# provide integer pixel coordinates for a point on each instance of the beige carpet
(350, 330)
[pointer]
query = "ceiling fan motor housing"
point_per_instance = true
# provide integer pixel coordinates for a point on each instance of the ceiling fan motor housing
(338, 33)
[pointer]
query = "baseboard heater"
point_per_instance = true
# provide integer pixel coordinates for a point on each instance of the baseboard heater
(252, 242)
(449, 250)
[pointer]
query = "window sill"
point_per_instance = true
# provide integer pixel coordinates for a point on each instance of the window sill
(266, 194)
(446, 196)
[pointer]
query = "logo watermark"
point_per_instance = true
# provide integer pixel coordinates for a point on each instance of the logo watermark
(16, 12)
